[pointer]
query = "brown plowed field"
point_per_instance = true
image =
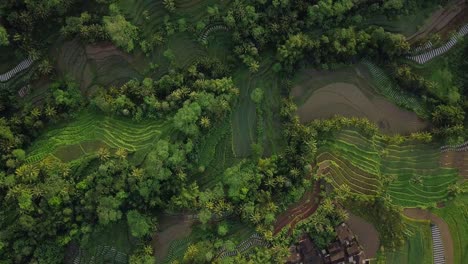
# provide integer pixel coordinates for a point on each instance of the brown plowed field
(348, 100)
(457, 160)
(170, 228)
(304, 208)
(366, 233)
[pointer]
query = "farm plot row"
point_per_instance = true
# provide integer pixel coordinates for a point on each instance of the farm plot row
(455, 214)
(343, 172)
(89, 127)
(418, 245)
(392, 92)
(362, 164)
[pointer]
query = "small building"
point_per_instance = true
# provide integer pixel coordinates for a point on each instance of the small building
(294, 255)
(337, 257)
(345, 235)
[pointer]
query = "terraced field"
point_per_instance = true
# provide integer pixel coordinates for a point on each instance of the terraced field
(245, 121)
(386, 87)
(420, 178)
(351, 91)
(418, 245)
(149, 16)
(91, 65)
(455, 214)
(90, 131)
(362, 164)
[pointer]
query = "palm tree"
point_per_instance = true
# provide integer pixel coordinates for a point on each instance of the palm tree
(328, 206)
(137, 173)
(36, 112)
(27, 172)
(169, 5)
(295, 172)
(103, 153)
(121, 153)
(50, 111)
(205, 122)
(256, 217)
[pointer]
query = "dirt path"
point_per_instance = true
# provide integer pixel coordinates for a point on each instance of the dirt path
(366, 233)
(441, 21)
(171, 228)
(302, 209)
(421, 214)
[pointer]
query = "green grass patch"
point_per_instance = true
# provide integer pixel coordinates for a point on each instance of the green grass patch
(385, 86)
(455, 214)
(238, 232)
(91, 130)
(363, 163)
(442, 71)
(108, 244)
(405, 24)
(417, 246)
(245, 121)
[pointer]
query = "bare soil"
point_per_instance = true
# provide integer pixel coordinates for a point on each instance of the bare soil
(348, 100)
(171, 228)
(366, 234)
(421, 214)
(441, 21)
(457, 160)
(302, 209)
(101, 51)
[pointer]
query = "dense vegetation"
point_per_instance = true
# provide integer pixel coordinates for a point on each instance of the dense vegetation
(142, 111)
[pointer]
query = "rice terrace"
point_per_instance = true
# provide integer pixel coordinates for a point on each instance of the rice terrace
(234, 132)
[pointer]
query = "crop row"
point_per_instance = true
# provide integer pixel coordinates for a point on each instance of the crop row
(392, 92)
(342, 172)
(176, 250)
(361, 162)
(112, 131)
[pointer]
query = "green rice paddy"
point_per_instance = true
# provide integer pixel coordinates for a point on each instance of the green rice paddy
(89, 131)
(455, 214)
(363, 163)
(418, 245)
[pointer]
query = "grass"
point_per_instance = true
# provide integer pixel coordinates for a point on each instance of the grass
(245, 121)
(455, 214)
(238, 232)
(149, 16)
(215, 154)
(417, 246)
(110, 244)
(363, 163)
(406, 24)
(177, 250)
(90, 70)
(440, 71)
(385, 86)
(89, 131)
(343, 172)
